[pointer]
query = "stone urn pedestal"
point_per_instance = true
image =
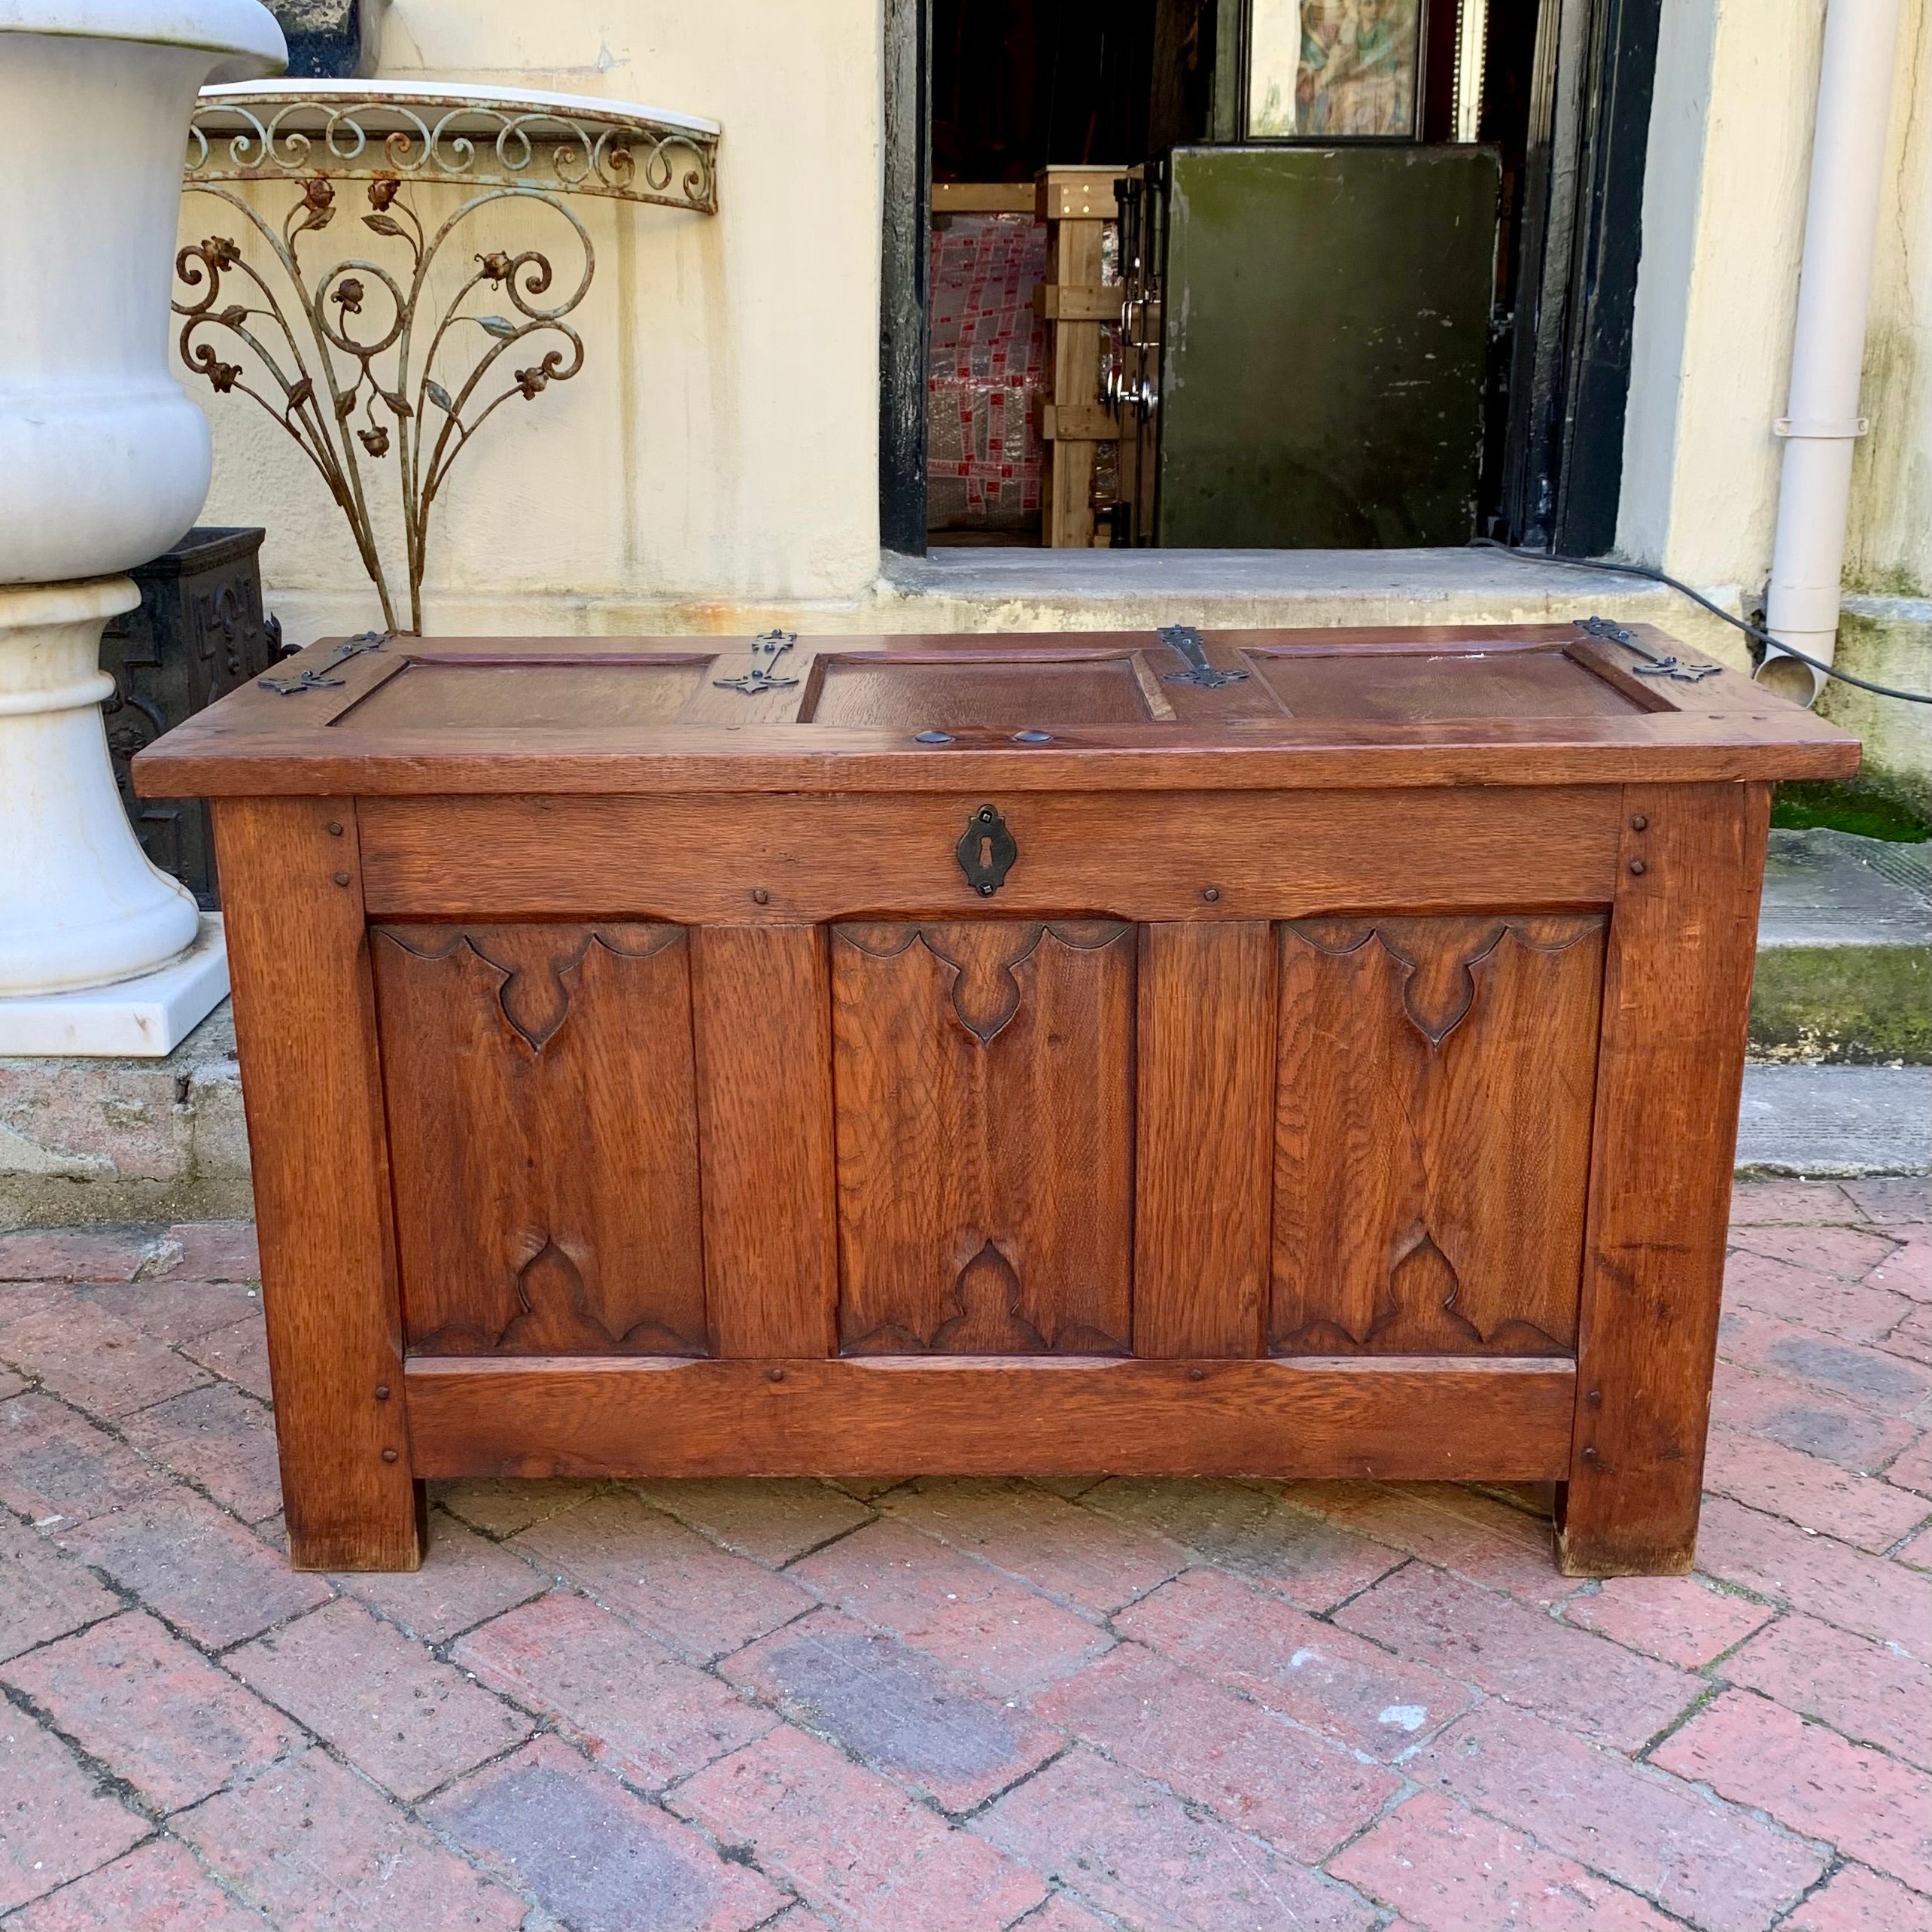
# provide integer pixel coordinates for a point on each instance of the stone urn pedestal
(104, 463)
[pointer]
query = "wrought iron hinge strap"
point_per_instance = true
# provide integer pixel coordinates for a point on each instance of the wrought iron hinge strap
(317, 679)
(1655, 664)
(767, 648)
(1187, 640)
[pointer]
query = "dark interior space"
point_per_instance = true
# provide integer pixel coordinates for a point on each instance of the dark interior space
(1013, 86)
(1020, 85)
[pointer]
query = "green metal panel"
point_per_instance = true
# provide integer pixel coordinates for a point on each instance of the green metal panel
(1326, 316)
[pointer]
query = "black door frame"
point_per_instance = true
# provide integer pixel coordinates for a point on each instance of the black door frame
(905, 260)
(1576, 288)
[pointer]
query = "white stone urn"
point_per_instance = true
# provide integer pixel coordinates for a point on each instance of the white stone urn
(104, 463)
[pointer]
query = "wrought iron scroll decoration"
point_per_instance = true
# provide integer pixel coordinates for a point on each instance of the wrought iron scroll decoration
(345, 358)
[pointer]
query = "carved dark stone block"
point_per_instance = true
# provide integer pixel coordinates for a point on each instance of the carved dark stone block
(331, 40)
(200, 632)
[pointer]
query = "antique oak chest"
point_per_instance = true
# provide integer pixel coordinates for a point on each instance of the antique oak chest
(1276, 1053)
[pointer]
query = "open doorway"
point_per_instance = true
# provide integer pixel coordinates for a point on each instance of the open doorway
(1555, 92)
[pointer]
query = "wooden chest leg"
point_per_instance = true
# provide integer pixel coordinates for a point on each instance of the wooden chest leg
(305, 1013)
(1676, 990)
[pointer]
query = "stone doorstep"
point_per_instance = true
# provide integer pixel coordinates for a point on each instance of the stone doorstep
(1845, 974)
(1845, 952)
(103, 1139)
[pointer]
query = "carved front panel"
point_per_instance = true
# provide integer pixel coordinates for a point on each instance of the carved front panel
(542, 1106)
(983, 1083)
(1436, 1078)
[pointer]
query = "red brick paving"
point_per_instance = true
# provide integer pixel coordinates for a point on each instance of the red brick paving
(1248, 1530)
(159, 1884)
(466, 1580)
(1061, 1706)
(853, 1844)
(1857, 1900)
(151, 1708)
(1809, 1779)
(318, 1850)
(1710, 1864)
(600, 1680)
(695, 1599)
(219, 1438)
(1813, 1493)
(398, 1715)
(981, 1624)
(1682, 1620)
(1336, 1684)
(894, 1708)
(595, 1854)
(1523, 1655)
(1259, 1771)
(1129, 1846)
(59, 1820)
(1448, 1865)
(46, 1594)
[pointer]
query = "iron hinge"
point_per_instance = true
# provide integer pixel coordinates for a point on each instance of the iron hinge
(1184, 639)
(767, 648)
(317, 679)
(1654, 664)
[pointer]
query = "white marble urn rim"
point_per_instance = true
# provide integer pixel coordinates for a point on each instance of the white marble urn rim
(104, 462)
(242, 27)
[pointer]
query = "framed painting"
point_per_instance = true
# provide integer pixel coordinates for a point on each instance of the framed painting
(1332, 70)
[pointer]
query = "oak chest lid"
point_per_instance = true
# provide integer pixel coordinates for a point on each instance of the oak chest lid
(1171, 709)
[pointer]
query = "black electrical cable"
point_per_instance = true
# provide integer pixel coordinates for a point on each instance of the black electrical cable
(1697, 597)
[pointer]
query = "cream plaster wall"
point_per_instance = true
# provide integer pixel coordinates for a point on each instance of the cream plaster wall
(1890, 546)
(721, 443)
(1725, 188)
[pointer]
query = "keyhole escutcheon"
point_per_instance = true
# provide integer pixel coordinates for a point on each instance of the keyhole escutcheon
(986, 851)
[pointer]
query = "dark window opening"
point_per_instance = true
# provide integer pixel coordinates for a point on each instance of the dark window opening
(1558, 92)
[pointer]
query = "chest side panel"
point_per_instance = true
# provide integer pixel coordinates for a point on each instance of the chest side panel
(540, 1093)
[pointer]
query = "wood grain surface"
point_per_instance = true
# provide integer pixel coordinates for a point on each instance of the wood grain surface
(1432, 1133)
(983, 1073)
(543, 1113)
(1193, 856)
(1511, 706)
(764, 1032)
(1401, 1420)
(1676, 995)
(305, 1022)
(1205, 1109)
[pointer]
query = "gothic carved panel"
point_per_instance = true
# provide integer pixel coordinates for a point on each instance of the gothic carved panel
(1436, 1082)
(983, 1080)
(541, 1095)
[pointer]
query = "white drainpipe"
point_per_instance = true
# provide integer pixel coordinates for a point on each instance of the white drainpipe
(1823, 424)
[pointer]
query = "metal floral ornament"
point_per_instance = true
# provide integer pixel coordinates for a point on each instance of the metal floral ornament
(361, 361)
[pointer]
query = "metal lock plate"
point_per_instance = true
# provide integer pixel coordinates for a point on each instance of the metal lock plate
(986, 851)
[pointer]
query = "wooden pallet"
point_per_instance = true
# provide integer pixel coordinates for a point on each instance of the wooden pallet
(1076, 204)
